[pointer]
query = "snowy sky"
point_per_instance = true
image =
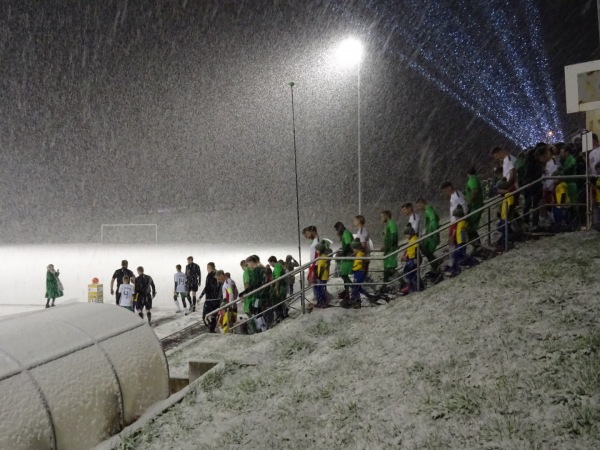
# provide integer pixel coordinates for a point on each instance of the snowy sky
(182, 104)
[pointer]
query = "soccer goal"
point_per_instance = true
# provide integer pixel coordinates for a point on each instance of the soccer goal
(129, 233)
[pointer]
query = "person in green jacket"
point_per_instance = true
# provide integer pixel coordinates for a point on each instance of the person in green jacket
(345, 266)
(474, 197)
(249, 299)
(253, 280)
(432, 224)
(390, 245)
(279, 290)
(54, 287)
(569, 167)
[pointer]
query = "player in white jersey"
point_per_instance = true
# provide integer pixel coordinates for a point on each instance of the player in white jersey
(509, 171)
(594, 155)
(180, 289)
(414, 217)
(362, 234)
(227, 317)
(456, 198)
(126, 292)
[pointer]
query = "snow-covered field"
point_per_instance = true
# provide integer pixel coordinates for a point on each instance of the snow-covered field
(504, 356)
(23, 268)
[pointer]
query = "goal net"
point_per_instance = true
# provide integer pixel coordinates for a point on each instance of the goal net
(129, 233)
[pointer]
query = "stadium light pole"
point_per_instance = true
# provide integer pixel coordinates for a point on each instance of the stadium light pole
(349, 53)
(291, 84)
(598, 9)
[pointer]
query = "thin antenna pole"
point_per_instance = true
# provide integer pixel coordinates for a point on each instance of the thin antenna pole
(598, 6)
(359, 149)
(302, 298)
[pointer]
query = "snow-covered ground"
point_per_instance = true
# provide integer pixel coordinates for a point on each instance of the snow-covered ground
(504, 356)
(23, 268)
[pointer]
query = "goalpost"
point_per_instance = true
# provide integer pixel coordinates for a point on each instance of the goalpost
(145, 232)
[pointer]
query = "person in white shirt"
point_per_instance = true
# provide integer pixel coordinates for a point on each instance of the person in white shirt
(180, 289)
(414, 217)
(227, 317)
(509, 172)
(544, 156)
(311, 234)
(456, 198)
(594, 155)
(362, 234)
(126, 292)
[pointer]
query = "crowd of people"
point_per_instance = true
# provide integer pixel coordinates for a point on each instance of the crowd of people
(554, 205)
(136, 292)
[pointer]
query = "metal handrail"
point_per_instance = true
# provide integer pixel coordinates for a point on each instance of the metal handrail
(401, 248)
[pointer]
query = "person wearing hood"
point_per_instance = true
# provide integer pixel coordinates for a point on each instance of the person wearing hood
(345, 266)
(213, 297)
(54, 287)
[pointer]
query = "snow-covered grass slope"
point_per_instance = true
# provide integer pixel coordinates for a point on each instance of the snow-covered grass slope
(504, 356)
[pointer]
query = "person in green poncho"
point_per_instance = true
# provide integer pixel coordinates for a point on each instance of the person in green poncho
(279, 290)
(432, 224)
(390, 245)
(254, 279)
(345, 270)
(54, 287)
(474, 197)
(569, 167)
(249, 299)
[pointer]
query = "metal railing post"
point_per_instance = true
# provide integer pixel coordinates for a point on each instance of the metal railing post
(302, 293)
(418, 269)
(496, 201)
(506, 234)
(489, 225)
(588, 206)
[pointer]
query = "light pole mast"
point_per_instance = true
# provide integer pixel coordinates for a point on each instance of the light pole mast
(349, 53)
(302, 300)
(359, 149)
(598, 7)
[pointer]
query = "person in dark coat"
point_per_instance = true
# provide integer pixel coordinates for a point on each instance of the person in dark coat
(213, 297)
(192, 281)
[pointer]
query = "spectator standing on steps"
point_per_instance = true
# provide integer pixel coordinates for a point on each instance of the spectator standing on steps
(390, 245)
(119, 275)
(430, 244)
(345, 266)
(414, 217)
(509, 171)
(457, 199)
(290, 265)
(474, 198)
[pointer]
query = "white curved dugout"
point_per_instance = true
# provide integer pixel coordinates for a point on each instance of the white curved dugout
(73, 375)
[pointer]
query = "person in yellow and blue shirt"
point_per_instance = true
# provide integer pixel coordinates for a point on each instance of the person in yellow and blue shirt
(359, 271)
(458, 251)
(410, 261)
(506, 215)
(322, 275)
(561, 210)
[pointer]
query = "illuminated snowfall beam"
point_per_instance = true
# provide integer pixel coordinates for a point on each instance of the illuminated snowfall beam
(477, 110)
(485, 62)
(512, 112)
